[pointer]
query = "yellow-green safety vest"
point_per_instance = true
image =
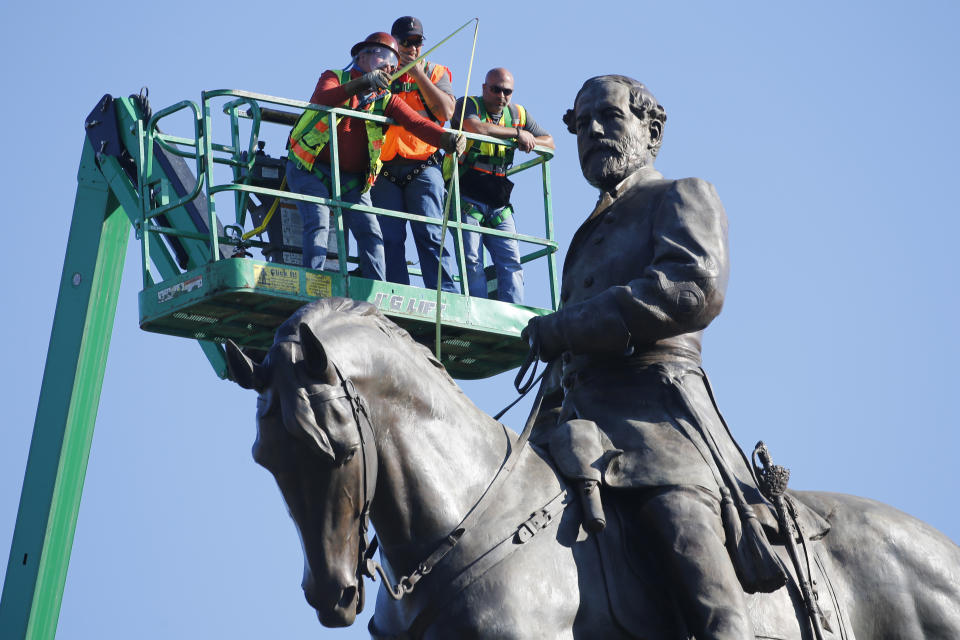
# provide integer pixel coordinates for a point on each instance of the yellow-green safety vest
(488, 157)
(311, 134)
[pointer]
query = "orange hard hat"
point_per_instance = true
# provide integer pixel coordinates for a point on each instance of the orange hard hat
(378, 39)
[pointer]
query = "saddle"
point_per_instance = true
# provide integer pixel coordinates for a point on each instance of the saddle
(644, 609)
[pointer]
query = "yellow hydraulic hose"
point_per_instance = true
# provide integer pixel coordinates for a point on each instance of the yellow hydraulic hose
(266, 218)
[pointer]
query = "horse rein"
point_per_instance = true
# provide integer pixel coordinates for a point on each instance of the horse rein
(366, 564)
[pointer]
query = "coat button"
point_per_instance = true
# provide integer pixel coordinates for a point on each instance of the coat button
(598, 240)
(588, 281)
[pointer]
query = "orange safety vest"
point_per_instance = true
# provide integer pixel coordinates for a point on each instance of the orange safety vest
(311, 134)
(400, 141)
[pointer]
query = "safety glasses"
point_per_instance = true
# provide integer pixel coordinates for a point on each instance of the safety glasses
(504, 91)
(384, 55)
(411, 42)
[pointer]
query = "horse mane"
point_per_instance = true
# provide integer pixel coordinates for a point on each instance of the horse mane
(325, 313)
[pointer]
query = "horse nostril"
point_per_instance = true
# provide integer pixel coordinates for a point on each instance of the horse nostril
(347, 597)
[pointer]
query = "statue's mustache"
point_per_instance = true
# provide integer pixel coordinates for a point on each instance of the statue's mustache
(622, 150)
(605, 145)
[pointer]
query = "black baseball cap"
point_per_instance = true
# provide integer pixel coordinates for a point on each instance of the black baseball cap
(405, 27)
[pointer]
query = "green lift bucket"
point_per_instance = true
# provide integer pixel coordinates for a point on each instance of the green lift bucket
(201, 281)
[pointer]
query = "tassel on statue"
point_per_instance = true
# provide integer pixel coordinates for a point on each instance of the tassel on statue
(757, 566)
(754, 560)
(756, 563)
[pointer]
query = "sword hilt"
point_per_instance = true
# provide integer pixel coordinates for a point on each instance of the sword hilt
(772, 478)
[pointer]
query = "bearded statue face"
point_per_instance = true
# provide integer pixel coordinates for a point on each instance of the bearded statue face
(612, 141)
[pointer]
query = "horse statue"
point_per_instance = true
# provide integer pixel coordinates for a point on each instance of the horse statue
(356, 421)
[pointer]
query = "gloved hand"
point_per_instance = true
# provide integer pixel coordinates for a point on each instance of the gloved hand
(370, 81)
(452, 141)
(543, 336)
(377, 79)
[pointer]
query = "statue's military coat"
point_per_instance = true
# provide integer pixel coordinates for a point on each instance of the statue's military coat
(644, 275)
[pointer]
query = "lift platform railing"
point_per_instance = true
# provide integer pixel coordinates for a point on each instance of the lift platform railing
(240, 159)
(123, 179)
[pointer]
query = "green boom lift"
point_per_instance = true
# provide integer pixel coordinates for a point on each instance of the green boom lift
(200, 281)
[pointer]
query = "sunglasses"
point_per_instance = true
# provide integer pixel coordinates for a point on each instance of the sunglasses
(411, 42)
(495, 88)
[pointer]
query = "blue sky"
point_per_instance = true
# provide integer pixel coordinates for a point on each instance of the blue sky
(829, 130)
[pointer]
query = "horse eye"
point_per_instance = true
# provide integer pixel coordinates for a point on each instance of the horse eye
(348, 456)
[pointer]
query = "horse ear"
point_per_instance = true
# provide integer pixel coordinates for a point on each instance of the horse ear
(242, 370)
(315, 356)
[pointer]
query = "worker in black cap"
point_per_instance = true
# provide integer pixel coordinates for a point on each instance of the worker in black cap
(411, 180)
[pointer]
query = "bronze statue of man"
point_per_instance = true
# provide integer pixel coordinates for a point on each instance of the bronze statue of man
(645, 274)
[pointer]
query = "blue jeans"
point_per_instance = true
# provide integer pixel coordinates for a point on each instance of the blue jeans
(504, 251)
(423, 195)
(316, 219)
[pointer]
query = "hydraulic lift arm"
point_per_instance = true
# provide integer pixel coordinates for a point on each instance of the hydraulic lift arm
(107, 203)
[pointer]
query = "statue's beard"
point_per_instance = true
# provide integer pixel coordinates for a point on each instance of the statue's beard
(609, 162)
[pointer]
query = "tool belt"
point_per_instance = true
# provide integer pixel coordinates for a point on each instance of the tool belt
(402, 182)
(487, 187)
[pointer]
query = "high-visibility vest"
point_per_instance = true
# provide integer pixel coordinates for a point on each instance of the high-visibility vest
(311, 134)
(487, 156)
(400, 141)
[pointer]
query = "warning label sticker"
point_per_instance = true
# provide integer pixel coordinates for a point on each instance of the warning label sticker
(165, 295)
(319, 286)
(277, 278)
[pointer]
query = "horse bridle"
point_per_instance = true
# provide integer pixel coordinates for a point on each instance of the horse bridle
(346, 390)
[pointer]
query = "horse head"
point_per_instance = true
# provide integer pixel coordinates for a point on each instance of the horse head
(421, 444)
(314, 437)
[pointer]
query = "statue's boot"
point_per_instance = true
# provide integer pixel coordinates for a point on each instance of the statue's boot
(684, 523)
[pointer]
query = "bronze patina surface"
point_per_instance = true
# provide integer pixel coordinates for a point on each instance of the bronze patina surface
(356, 422)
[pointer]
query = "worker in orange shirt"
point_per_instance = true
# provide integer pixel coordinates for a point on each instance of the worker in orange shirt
(412, 180)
